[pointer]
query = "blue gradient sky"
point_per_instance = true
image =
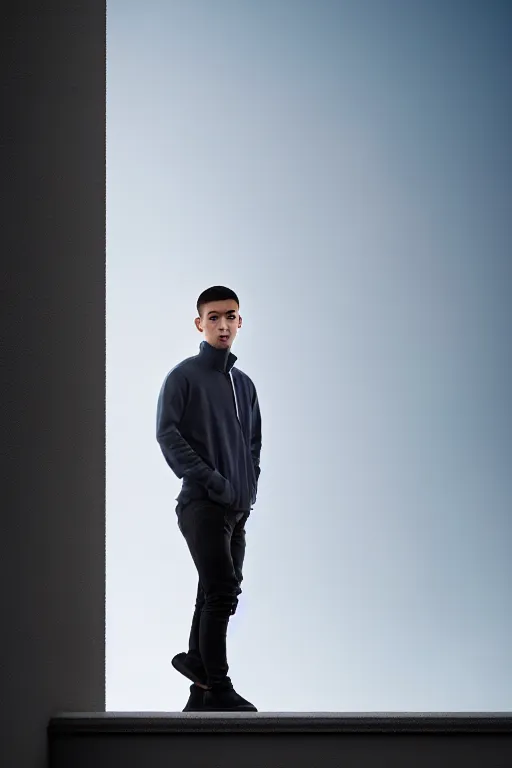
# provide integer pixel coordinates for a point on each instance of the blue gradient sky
(345, 167)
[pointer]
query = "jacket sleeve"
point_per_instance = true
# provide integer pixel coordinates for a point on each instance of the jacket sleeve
(179, 455)
(256, 435)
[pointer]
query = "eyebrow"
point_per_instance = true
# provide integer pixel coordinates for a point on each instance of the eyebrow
(214, 312)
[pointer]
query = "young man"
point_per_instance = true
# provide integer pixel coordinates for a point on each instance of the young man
(209, 430)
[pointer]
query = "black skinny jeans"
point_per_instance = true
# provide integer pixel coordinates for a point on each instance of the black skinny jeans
(216, 539)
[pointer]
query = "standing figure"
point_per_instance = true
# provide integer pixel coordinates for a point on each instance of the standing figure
(209, 430)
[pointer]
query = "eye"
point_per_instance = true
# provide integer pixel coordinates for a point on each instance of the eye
(213, 318)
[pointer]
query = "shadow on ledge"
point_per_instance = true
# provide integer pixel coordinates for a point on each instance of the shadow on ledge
(269, 740)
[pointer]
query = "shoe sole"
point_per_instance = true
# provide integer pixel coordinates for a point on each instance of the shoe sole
(182, 668)
(229, 709)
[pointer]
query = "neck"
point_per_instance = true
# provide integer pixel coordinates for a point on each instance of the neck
(220, 359)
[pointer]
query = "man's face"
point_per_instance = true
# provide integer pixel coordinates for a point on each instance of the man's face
(219, 321)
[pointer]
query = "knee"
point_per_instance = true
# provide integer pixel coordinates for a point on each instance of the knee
(234, 606)
(221, 602)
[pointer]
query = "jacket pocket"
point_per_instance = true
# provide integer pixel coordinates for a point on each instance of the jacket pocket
(221, 491)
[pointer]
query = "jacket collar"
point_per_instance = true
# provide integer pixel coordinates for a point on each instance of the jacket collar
(220, 359)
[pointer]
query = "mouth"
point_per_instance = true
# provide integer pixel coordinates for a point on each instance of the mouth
(224, 339)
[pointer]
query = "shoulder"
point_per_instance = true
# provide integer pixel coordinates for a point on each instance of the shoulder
(182, 372)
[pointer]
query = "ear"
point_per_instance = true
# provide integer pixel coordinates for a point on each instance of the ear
(199, 327)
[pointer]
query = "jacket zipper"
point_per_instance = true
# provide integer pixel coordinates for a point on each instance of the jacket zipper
(236, 401)
(239, 423)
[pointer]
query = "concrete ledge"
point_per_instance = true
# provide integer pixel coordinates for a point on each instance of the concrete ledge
(280, 740)
(280, 722)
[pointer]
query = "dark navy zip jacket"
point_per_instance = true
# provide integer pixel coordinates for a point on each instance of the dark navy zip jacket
(209, 429)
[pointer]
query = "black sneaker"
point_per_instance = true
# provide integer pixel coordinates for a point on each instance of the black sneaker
(195, 701)
(190, 667)
(224, 698)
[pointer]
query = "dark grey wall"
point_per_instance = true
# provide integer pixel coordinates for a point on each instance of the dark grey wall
(52, 301)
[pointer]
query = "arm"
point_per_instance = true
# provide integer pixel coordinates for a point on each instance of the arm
(256, 435)
(179, 455)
